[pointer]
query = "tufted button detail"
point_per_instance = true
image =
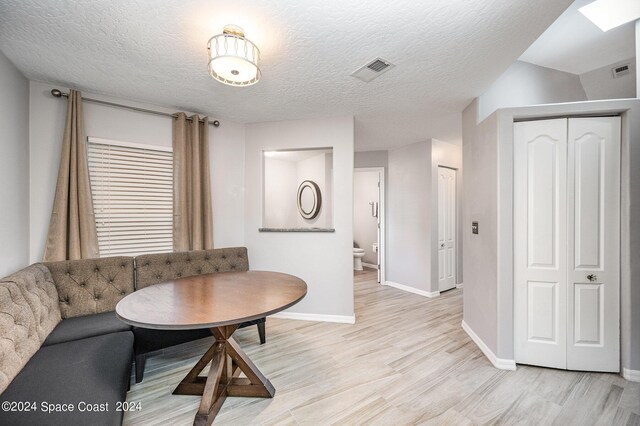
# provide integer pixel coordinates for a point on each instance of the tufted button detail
(224, 257)
(96, 270)
(122, 293)
(82, 284)
(179, 274)
(123, 266)
(217, 269)
(68, 273)
(158, 276)
(146, 264)
(199, 271)
(96, 298)
(168, 262)
(233, 266)
(111, 280)
(188, 260)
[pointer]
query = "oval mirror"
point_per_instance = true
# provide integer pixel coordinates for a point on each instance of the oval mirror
(309, 199)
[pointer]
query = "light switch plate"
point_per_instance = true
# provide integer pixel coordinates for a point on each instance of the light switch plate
(474, 227)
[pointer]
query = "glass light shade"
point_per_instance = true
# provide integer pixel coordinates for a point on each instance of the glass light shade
(233, 59)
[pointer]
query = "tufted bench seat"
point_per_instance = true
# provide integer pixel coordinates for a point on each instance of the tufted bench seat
(43, 359)
(156, 268)
(61, 342)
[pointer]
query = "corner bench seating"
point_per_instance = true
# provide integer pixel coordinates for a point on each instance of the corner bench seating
(61, 342)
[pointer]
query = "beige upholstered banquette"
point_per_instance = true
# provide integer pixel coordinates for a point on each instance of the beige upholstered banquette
(156, 268)
(91, 286)
(29, 311)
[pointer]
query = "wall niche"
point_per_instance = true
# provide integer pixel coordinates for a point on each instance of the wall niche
(297, 190)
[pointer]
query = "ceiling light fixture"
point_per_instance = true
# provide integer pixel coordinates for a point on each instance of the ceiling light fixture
(233, 59)
(608, 14)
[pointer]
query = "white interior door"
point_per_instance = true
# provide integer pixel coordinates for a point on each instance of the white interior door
(446, 228)
(593, 188)
(540, 255)
(566, 243)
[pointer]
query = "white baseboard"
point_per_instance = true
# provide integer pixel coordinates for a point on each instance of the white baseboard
(502, 364)
(461, 285)
(343, 319)
(412, 290)
(631, 375)
(370, 265)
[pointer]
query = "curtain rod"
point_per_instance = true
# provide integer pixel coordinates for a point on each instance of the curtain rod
(59, 94)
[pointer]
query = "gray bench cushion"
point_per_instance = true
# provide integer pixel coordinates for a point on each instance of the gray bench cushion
(93, 370)
(77, 328)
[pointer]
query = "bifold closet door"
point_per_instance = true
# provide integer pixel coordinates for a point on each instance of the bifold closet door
(566, 243)
(593, 213)
(540, 242)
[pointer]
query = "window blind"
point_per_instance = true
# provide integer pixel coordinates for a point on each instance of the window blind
(132, 191)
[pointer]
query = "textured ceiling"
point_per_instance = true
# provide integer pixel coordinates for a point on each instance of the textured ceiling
(445, 52)
(575, 44)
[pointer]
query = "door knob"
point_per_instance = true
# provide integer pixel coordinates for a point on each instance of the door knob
(442, 245)
(592, 277)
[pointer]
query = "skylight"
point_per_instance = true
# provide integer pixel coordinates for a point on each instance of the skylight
(608, 14)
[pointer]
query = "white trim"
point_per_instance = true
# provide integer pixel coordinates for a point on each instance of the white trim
(502, 364)
(370, 265)
(412, 290)
(103, 141)
(631, 375)
(461, 285)
(343, 319)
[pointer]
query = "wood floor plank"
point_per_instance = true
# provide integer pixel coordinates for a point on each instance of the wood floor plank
(406, 361)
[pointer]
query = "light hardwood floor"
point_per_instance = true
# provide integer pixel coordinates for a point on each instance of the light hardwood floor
(406, 361)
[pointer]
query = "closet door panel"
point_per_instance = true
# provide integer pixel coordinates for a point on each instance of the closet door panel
(540, 242)
(593, 186)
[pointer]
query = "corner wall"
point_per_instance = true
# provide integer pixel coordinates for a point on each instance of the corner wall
(408, 222)
(14, 173)
(323, 259)
(527, 84)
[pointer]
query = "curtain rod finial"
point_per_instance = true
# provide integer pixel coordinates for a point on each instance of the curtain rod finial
(56, 92)
(216, 123)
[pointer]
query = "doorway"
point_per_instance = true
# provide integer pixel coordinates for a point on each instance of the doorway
(369, 217)
(567, 243)
(447, 226)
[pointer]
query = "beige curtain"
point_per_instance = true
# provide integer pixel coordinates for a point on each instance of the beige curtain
(192, 217)
(72, 229)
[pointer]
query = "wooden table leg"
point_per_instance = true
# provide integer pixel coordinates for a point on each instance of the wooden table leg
(227, 361)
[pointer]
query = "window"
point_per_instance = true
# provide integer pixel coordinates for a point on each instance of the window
(132, 191)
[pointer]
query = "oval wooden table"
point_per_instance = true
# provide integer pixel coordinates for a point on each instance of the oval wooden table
(219, 302)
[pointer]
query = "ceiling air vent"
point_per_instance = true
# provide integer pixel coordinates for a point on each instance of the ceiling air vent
(372, 70)
(620, 71)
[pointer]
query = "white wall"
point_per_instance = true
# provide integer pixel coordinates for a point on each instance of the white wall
(365, 225)
(323, 259)
(600, 84)
(14, 169)
(527, 84)
(409, 216)
(280, 208)
(447, 155)
(46, 127)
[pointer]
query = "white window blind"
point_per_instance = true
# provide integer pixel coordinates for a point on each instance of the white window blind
(132, 191)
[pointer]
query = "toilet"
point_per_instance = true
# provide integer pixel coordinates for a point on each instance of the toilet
(358, 254)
